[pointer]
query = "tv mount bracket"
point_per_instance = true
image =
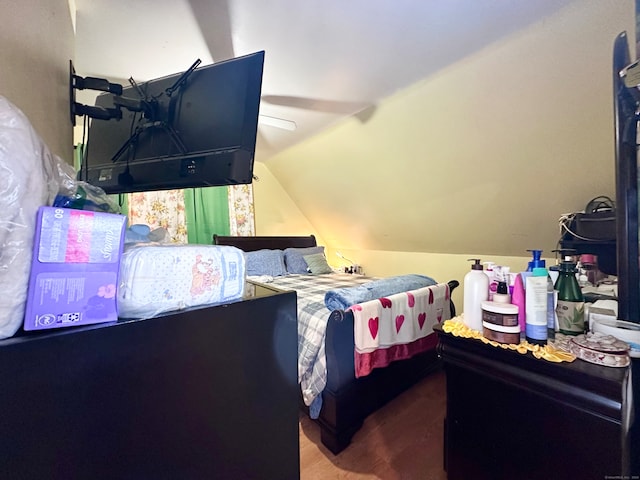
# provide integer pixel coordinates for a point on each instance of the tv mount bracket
(92, 83)
(77, 82)
(144, 105)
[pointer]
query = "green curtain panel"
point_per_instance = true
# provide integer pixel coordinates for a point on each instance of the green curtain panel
(207, 212)
(123, 200)
(78, 151)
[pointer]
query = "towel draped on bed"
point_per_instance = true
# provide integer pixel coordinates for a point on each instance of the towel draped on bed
(343, 298)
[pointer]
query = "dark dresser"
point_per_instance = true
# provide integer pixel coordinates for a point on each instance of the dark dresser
(512, 416)
(208, 393)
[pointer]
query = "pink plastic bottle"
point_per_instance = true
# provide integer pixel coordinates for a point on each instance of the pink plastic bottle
(518, 298)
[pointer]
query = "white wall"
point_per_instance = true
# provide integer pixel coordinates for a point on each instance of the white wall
(36, 44)
(275, 212)
(483, 156)
(477, 161)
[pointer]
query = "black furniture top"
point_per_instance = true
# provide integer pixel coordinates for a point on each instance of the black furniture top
(197, 394)
(515, 416)
(250, 244)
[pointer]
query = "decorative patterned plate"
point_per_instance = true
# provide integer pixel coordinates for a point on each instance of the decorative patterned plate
(600, 349)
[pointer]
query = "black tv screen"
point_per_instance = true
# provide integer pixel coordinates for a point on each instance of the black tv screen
(196, 128)
(626, 100)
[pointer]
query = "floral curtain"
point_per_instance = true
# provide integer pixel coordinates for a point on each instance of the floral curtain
(163, 208)
(168, 209)
(241, 214)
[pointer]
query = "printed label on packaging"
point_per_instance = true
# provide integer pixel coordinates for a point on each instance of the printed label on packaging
(505, 319)
(79, 236)
(64, 298)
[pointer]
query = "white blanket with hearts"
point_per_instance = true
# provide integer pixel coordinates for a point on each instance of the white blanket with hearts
(394, 327)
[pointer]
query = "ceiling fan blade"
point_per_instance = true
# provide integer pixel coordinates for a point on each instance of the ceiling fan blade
(277, 122)
(316, 104)
(214, 20)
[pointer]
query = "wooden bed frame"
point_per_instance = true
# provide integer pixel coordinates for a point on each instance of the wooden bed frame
(347, 401)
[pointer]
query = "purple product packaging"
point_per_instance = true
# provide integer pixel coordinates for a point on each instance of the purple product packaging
(74, 269)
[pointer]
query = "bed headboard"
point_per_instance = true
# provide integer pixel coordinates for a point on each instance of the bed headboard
(250, 244)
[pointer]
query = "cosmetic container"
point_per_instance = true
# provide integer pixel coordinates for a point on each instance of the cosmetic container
(490, 272)
(570, 307)
(518, 298)
(502, 293)
(500, 322)
(536, 306)
(476, 290)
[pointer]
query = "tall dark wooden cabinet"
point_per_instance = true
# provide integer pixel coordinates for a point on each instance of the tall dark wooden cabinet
(207, 393)
(514, 416)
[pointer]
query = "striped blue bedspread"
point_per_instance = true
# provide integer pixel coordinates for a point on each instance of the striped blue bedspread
(312, 325)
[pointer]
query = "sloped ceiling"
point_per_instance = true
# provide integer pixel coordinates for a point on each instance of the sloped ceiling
(444, 126)
(482, 157)
(325, 59)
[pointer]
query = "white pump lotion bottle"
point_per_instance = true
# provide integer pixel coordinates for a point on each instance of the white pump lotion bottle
(476, 290)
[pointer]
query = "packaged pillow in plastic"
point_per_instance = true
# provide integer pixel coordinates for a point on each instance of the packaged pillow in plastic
(30, 176)
(158, 278)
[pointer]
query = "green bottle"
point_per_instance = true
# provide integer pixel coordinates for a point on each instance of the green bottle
(570, 306)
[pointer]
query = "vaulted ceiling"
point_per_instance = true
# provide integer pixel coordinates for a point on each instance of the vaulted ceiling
(418, 121)
(325, 59)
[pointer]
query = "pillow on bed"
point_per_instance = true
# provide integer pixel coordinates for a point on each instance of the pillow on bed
(294, 258)
(317, 263)
(265, 262)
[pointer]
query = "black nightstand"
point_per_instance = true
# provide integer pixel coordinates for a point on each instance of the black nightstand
(514, 416)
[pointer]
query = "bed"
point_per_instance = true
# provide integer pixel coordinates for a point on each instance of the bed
(346, 400)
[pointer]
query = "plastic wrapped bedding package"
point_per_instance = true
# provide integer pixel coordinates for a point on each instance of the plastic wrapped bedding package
(30, 177)
(159, 278)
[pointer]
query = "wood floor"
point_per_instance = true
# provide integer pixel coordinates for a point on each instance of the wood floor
(401, 441)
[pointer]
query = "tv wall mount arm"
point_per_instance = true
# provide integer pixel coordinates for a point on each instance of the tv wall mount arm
(92, 83)
(148, 107)
(133, 139)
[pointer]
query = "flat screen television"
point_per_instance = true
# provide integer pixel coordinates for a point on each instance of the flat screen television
(626, 100)
(197, 128)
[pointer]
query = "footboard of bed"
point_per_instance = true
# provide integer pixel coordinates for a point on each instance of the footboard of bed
(343, 411)
(347, 400)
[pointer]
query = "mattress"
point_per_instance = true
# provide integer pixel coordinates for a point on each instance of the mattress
(160, 278)
(313, 316)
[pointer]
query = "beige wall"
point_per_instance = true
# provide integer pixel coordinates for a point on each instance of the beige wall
(275, 212)
(480, 159)
(36, 44)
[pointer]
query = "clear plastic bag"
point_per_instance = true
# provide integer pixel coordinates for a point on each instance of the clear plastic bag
(30, 176)
(80, 195)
